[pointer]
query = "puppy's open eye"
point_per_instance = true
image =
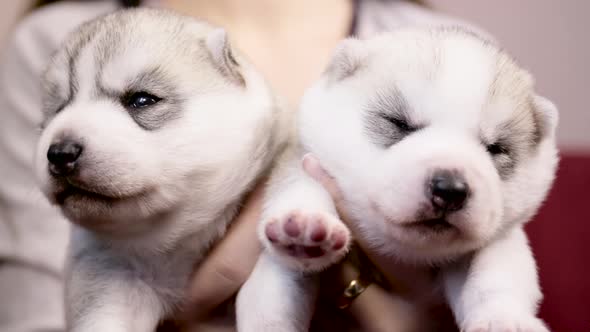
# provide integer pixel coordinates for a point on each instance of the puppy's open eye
(140, 99)
(496, 149)
(401, 124)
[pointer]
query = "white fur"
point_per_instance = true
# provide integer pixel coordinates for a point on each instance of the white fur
(459, 90)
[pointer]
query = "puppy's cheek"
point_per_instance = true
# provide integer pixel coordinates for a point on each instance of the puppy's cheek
(397, 192)
(116, 173)
(484, 213)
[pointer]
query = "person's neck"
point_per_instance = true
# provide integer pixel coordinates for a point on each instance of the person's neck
(270, 16)
(289, 41)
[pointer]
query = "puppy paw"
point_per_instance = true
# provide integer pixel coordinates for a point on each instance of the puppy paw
(507, 322)
(311, 240)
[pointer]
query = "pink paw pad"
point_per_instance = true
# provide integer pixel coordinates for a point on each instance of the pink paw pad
(272, 231)
(338, 240)
(307, 236)
(318, 232)
(292, 227)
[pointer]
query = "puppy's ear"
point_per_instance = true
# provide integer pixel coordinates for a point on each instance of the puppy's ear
(546, 117)
(348, 57)
(220, 50)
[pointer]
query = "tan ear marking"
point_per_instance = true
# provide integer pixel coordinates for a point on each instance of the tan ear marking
(347, 59)
(546, 117)
(220, 51)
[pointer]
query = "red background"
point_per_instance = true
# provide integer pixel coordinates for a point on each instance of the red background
(560, 237)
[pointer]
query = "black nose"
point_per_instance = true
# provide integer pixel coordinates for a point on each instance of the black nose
(62, 157)
(448, 191)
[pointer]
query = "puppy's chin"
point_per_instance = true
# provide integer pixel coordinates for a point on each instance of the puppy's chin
(105, 212)
(432, 238)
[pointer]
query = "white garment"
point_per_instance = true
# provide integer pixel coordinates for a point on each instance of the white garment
(33, 235)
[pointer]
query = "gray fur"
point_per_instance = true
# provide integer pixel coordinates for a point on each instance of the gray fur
(388, 118)
(224, 59)
(519, 136)
(108, 43)
(154, 187)
(155, 82)
(522, 133)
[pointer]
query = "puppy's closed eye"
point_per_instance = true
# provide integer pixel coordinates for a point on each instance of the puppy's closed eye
(504, 155)
(387, 129)
(497, 149)
(400, 123)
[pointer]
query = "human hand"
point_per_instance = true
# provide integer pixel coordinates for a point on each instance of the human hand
(375, 309)
(312, 166)
(230, 262)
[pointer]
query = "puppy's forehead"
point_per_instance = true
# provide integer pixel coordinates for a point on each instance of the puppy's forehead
(117, 48)
(450, 76)
(173, 46)
(462, 79)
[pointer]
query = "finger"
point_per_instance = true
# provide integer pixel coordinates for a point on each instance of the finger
(229, 264)
(375, 309)
(312, 166)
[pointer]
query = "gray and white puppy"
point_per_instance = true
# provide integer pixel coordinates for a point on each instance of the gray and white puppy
(155, 130)
(442, 151)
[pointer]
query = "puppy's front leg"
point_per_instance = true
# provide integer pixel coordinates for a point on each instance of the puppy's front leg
(300, 225)
(275, 299)
(498, 289)
(301, 233)
(101, 296)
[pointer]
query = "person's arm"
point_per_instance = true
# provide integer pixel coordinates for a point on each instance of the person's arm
(229, 264)
(33, 235)
(378, 310)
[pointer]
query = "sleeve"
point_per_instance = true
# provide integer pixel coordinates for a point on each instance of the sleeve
(33, 234)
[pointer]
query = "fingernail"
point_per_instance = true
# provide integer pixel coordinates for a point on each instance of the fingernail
(312, 166)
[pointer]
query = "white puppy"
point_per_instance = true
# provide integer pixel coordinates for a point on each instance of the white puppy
(442, 151)
(155, 130)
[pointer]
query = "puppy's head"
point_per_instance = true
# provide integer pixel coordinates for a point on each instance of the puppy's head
(144, 110)
(436, 138)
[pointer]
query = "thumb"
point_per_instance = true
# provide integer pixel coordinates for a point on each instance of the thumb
(314, 169)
